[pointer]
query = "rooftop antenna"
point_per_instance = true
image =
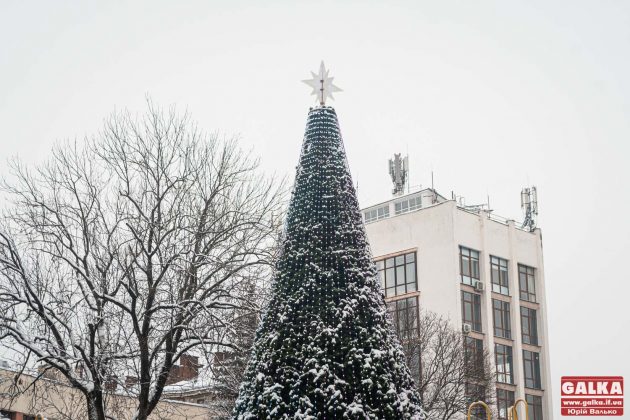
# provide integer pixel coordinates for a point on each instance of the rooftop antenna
(529, 204)
(408, 180)
(433, 193)
(399, 172)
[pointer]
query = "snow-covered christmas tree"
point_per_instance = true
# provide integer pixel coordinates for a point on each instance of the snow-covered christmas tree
(325, 348)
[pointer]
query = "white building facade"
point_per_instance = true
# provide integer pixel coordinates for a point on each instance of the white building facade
(483, 273)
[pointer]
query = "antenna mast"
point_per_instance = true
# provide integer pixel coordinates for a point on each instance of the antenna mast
(399, 171)
(529, 204)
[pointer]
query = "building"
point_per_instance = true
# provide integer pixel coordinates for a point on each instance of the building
(190, 393)
(482, 272)
(52, 398)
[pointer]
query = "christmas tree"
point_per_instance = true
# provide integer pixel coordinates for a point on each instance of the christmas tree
(325, 348)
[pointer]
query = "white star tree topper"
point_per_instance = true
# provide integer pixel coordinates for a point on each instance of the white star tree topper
(322, 85)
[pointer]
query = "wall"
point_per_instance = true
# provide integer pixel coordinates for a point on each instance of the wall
(436, 232)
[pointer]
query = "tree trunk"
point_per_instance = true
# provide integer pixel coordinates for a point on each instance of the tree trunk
(96, 409)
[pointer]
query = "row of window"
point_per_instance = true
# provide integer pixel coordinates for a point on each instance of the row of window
(405, 316)
(499, 277)
(404, 313)
(471, 315)
(376, 214)
(474, 357)
(503, 362)
(409, 204)
(398, 277)
(400, 207)
(504, 367)
(398, 274)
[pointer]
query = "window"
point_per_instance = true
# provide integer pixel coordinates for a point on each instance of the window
(398, 274)
(376, 214)
(531, 366)
(471, 310)
(499, 275)
(529, 326)
(469, 265)
(409, 204)
(503, 358)
(505, 400)
(501, 317)
(474, 357)
(535, 406)
(473, 393)
(527, 283)
(404, 313)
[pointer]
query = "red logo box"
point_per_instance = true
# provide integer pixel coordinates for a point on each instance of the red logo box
(592, 395)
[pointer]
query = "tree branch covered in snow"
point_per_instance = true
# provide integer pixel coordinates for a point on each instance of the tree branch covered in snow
(120, 254)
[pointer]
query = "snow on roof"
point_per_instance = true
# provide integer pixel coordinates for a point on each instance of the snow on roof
(191, 385)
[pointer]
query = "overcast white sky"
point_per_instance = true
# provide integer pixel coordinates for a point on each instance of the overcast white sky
(491, 96)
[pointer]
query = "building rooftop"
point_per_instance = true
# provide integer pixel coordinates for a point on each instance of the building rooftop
(425, 198)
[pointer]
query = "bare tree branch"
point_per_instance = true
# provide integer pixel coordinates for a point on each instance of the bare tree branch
(449, 370)
(120, 255)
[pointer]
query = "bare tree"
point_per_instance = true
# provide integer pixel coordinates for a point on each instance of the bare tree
(119, 256)
(450, 369)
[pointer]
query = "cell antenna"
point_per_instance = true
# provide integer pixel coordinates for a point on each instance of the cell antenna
(399, 172)
(529, 204)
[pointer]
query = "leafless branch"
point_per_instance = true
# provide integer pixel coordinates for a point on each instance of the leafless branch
(120, 254)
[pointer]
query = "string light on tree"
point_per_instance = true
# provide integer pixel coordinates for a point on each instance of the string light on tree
(325, 348)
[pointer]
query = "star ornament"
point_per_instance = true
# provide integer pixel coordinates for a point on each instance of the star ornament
(322, 85)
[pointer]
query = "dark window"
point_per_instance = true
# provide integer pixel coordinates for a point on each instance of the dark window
(473, 354)
(505, 400)
(475, 392)
(529, 326)
(398, 274)
(501, 318)
(503, 358)
(469, 265)
(471, 310)
(535, 406)
(404, 313)
(531, 366)
(499, 275)
(527, 282)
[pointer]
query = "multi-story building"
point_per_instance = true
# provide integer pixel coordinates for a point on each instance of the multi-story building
(482, 272)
